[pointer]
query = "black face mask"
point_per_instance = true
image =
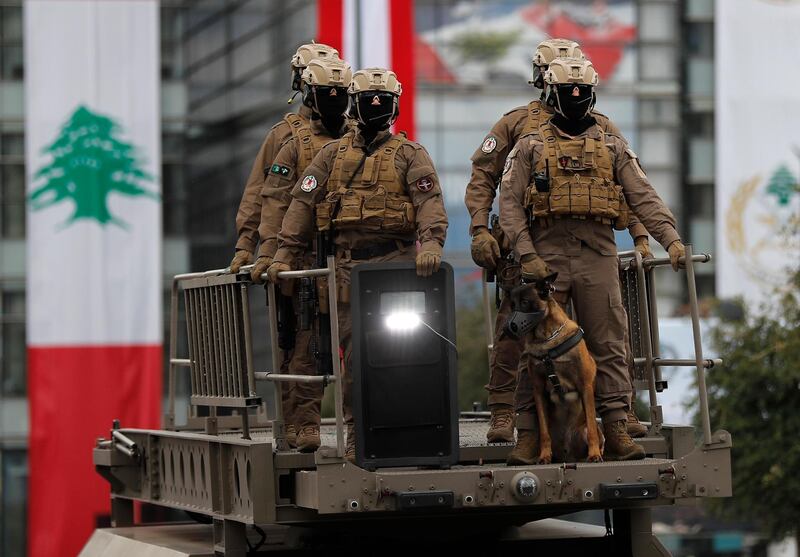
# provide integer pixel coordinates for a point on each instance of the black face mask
(330, 103)
(538, 77)
(575, 107)
(375, 111)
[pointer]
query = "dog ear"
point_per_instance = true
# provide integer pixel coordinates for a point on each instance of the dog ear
(545, 286)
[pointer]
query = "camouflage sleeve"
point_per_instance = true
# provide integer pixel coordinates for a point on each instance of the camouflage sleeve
(276, 196)
(643, 199)
(426, 195)
(516, 178)
(249, 213)
(487, 168)
(297, 226)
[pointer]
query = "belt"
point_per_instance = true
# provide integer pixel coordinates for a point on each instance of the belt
(379, 250)
(546, 221)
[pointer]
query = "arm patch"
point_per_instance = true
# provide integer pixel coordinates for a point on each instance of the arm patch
(280, 170)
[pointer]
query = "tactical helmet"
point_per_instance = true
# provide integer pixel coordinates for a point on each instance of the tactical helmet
(328, 72)
(375, 93)
(304, 54)
(575, 77)
(549, 50)
(579, 71)
(375, 79)
(311, 51)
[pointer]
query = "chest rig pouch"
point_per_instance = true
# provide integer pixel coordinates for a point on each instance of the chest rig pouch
(308, 145)
(367, 195)
(581, 181)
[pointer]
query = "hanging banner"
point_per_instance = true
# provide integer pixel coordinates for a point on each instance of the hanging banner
(374, 33)
(94, 323)
(757, 147)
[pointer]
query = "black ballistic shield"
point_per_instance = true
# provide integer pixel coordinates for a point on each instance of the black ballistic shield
(405, 401)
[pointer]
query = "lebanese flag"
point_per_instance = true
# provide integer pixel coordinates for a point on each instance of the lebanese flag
(374, 33)
(92, 132)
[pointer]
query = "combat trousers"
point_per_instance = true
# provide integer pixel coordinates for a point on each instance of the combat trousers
(504, 361)
(591, 281)
(301, 401)
(344, 265)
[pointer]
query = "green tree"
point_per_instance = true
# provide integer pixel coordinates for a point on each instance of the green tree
(756, 395)
(783, 185)
(89, 163)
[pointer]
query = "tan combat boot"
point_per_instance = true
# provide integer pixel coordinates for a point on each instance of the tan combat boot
(291, 436)
(634, 426)
(526, 451)
(308, 439)
(619, 445)
(501, 426)
(350, 446)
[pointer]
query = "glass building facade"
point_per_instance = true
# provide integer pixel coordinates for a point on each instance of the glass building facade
(225, 81)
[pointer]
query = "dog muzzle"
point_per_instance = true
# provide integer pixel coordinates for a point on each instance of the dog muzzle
(521, 323)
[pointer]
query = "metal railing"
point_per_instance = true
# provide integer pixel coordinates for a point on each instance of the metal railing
(639, 297)
(220, 362)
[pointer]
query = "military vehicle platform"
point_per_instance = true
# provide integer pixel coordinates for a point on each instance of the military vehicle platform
(237, 472)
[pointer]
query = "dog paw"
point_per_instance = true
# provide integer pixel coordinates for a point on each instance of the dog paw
(595, 458)
(545, 459)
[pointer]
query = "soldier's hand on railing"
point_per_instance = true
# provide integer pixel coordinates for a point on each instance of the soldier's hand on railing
(676, 250)
(485, 249)
(275, 268)
(262, 264)
(642, 244)
(534, 268)
(240, 259)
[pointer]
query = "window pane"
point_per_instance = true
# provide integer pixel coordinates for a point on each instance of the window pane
(11, 57)
(12, 24)
(13, 506)
(14, 220)
(12, 144)
(13, 356)
(13, 304)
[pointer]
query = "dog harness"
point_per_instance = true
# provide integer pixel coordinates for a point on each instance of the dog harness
(556, 352)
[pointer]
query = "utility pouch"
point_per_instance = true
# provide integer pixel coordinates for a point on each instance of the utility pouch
(559, 195)
(349, 209)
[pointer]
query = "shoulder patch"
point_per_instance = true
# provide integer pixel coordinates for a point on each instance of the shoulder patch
(280, 170)
(425, 184)
(489, 144)
(308, 184)
(507, 164)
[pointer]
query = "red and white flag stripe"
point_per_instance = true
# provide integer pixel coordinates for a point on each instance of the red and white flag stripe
(374, 33)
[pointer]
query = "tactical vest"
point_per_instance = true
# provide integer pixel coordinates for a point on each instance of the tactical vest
(308, 142)
(581, 181)
(376, 198)
(536, 114)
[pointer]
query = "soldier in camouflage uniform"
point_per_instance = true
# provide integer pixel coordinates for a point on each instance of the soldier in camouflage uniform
(249, 215)
(566, 186)
(325, 84)
(487, 165)
(377, 193)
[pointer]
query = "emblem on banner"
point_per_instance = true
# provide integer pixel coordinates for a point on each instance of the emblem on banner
(760, 214)
(90, 162)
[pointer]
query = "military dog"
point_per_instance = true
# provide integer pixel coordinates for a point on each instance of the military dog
(562, 374)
